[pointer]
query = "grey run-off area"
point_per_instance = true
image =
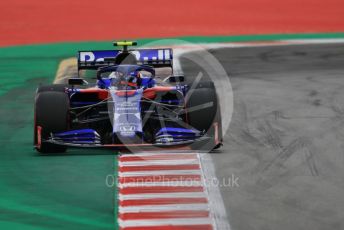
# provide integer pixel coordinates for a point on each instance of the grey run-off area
(285, 142)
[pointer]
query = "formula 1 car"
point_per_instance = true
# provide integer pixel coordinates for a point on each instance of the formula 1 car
(127, 105)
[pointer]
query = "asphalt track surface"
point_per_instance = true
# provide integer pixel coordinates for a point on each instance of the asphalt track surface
(285, 141)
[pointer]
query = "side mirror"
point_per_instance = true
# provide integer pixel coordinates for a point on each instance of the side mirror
(76, 81)
(175, 78)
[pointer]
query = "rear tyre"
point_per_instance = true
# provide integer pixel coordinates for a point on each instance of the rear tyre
(51, 114)
(49, 88)
(205, 85)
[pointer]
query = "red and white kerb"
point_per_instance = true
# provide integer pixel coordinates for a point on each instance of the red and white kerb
(162, 191)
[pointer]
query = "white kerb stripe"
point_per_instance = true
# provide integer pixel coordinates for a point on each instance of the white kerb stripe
(188, 183)
(170, 207)
(162, 195)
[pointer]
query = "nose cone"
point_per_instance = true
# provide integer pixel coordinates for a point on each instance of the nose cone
(127, 122)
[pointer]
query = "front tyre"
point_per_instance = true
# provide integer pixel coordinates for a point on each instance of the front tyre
(204, 115)
(51, 116)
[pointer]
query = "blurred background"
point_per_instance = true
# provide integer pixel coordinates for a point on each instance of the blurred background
(37, 21)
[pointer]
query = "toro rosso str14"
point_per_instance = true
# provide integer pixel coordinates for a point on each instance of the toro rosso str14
(128, 105)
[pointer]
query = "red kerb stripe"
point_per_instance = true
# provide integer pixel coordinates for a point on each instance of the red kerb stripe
(163, 215)
(158, 167)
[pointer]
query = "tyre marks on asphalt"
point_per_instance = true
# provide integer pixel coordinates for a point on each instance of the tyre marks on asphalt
(274, 168)
(265, 133)
(271, 135)
(163, 191)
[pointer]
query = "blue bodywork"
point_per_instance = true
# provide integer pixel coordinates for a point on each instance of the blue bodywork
(126, 112)
(175, 135)
(81, 136)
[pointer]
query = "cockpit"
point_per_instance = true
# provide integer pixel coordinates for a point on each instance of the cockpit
(126, 77)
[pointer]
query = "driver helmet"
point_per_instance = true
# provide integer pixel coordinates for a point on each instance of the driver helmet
(131, 81)
(116, 78)
(134, 79)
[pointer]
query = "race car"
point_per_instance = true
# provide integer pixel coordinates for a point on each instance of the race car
(128, 105)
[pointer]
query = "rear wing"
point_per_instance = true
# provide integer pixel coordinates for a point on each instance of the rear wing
(100, 58)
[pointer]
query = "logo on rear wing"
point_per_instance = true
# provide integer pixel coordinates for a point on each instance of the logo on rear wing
(95, 59)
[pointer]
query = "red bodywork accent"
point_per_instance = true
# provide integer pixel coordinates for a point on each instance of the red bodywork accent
(39, 137)
(124, 93)
(102, 93)
(149, 93)
(216, 133)
(132, 84)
